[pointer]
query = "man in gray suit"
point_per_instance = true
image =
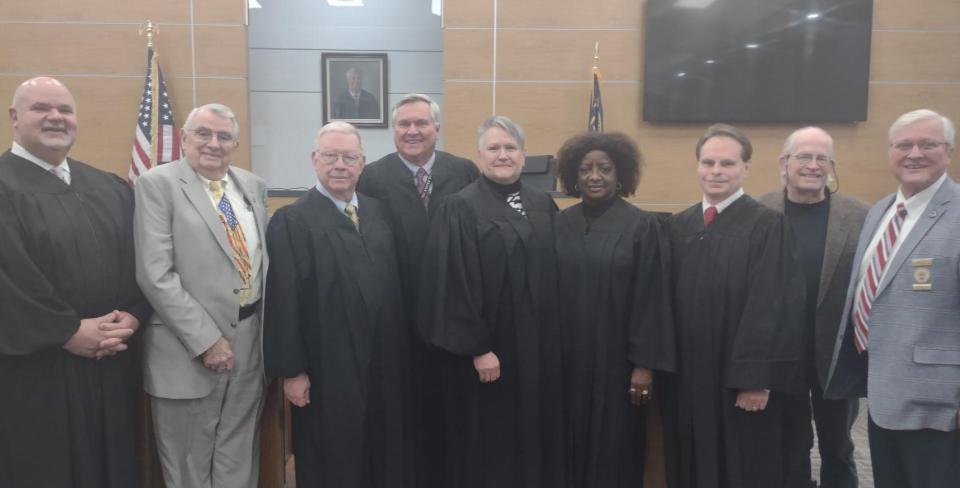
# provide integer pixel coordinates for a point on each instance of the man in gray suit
(899, 343)
(199, 225)
(826, 226)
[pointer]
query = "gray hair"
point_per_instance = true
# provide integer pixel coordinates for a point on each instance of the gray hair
(418, 97)
(353, 70)
(218, 109)
(949, 133)
(340, 127)
(790, 142)
(504, 124)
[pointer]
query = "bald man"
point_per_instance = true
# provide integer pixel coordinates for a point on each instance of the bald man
(826, 226)
(69, 306)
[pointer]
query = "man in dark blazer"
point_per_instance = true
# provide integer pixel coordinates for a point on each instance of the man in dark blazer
(412, 181)
(899, 340)
(355, 102)
(826, 226)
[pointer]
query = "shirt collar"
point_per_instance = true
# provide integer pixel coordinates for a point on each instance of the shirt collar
(341, 204)
(916, 204)
(19, 150)
(428, 166)
(723, 204)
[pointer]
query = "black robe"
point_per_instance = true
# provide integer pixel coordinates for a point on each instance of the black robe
(66, 253)
(333, 311)
(390, 181)
(738, 305)
(489, 284)
(615, 312)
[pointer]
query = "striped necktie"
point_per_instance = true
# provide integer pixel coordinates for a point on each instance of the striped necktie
(238, 242)
(423, 186)
(351, 212)
(867, 289)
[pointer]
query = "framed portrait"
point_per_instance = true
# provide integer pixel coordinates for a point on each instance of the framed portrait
(355, 88)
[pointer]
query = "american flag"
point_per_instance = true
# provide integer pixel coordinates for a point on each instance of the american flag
(595, 121)
(154, 123)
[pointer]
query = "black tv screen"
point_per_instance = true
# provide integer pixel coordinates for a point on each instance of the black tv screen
(756, 60)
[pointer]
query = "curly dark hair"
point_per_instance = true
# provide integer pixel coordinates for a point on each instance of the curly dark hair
(619, 148)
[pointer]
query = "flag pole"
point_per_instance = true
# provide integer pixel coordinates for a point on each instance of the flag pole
(150, 29)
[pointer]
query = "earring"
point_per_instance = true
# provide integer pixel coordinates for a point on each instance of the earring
(576, 187)
(619, 186)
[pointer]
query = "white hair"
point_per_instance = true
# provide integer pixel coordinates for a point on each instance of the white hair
(418, 97)
(923, 114)
(339, 127)
(218, 109)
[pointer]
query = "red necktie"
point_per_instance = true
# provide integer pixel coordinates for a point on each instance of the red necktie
(709, 215)
(867, 290)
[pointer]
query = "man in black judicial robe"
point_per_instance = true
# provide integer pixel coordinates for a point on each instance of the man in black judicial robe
(334, 328)
(68, 302)
(488, 292)
(409, 197)
(738, 303)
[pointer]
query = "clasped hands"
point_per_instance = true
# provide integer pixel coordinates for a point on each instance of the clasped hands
(753, 400)
(102, 336)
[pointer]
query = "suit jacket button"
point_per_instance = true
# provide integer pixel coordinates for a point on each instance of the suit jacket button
(236, 291)
(233, 324)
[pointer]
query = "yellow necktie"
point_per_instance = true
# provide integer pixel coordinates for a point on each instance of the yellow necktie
(238, 242)
(351, 212)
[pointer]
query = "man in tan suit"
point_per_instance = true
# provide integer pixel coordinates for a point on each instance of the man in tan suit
(199, 229)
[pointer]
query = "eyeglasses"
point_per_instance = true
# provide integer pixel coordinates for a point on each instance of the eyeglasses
(925, 146)
(806, 158)
(205, 135)
(349, 159)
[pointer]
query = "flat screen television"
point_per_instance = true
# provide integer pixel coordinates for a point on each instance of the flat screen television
(756, 60)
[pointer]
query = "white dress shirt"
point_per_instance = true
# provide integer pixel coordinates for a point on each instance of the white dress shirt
(61, 171)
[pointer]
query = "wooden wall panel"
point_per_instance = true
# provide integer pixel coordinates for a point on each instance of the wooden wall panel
(915, 56)
(920, 15)
(550, 13)
(544, 54)
(476, 61)
(474, 13)
(93, 46)
(95, 11)
(567, 54)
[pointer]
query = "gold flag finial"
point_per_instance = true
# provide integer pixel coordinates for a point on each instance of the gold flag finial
(596, 55)
(149, 28)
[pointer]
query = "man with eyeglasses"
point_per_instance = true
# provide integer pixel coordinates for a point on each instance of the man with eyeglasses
(826, 226)
(199, 231)
(412, 182)
(334, 328)
(899, 340)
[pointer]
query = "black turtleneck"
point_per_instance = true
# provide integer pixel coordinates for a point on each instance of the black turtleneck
(501, 188)
(594, 209)
(809, 222)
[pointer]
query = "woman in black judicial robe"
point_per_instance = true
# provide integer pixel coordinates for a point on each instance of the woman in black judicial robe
(614, 302)
(333, 310)
(488, 295)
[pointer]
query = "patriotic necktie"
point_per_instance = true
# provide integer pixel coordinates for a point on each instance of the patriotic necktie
(709, 215)
(238, 242)
(867, 289)
(423, 186)
(351, 212)
(513, 200)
